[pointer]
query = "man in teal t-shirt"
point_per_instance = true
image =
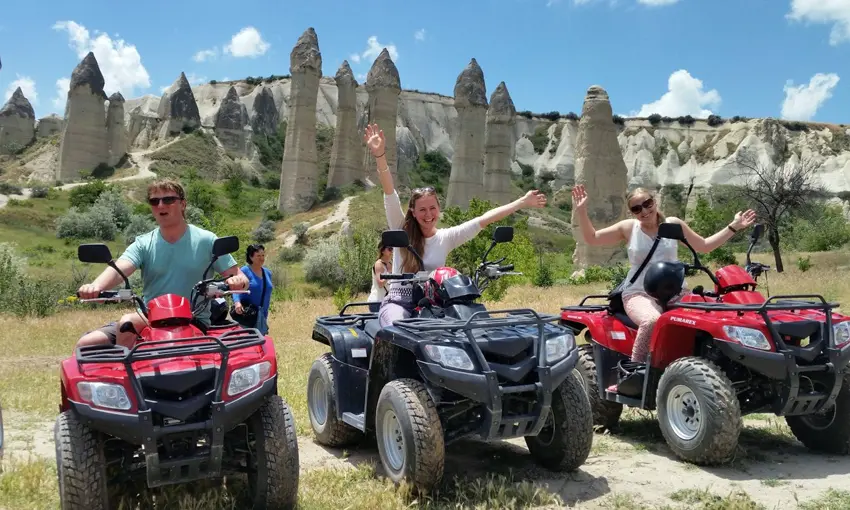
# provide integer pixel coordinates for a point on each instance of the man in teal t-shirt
(172, 259)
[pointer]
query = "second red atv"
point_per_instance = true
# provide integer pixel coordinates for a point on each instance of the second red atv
(717, 355)
(188, 402)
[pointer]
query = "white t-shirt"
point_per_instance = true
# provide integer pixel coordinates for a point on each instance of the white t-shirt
(438, 246)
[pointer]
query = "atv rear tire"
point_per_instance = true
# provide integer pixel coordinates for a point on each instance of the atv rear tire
(605, 413)
(827, 432)
(274, 485)
(80, 465)
(698, 411)
(409, 434)
(322, 406)
(565, 444)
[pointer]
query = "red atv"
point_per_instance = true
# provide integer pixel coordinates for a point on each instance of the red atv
(187, 402)
(716, 356)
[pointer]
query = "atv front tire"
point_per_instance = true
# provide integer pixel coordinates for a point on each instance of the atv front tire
(565, 441)
(409, 434)
(322, 406)
(274, 484)
(80, 465)
(698, 411)
(828, 431)
(605, 413)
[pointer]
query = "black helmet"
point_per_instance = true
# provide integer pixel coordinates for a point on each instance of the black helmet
(663, 280)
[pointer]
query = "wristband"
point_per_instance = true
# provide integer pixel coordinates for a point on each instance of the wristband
(732, 229)
(382, 155)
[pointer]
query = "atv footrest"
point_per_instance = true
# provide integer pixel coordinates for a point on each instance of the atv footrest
(515, 426)
(806, 404)
(179, 471)
(357, 421)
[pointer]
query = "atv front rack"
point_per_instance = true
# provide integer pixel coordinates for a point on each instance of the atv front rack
(238, 339)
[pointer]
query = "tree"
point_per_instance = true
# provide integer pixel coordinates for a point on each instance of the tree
(777, 191)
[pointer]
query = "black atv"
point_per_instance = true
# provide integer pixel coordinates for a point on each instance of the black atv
(453, 370)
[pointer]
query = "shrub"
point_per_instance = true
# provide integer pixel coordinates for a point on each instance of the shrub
(300, 232)
(139, 224)
(356, 257)
(654, 119)
(715, 120)
(321, 263)
(10, 189)
(120, 210)
(40, 192)
(95, 223)
(291, 254)
(86, 195)
(195, 215)
(804, 264)
(264, 232)
(544, 276)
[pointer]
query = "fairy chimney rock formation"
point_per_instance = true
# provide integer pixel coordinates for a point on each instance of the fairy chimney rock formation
(346, 163)
(17, 123)
(600, 167)
(384, 86)
(498, 146)
(299, 171)
(467, 177)
(230, 121)
(49, 126)
(116, 130)
(265, 117)
(178, 108)
(85, 142)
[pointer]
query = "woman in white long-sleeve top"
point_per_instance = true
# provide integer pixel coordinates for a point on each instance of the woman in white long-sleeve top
(420, 222)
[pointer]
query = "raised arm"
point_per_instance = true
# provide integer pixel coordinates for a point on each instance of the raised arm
(532, 199)
(708, 244)
(610, 235)
(374, 138)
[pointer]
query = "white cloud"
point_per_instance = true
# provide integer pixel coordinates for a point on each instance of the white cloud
(684, 96)
(27, 85)
(62, 87)
(204, 55)
(803, 101)
(247, 43)
(373, 49)
(419, 35)
(835, 12)
(657, 3)
(119, 62)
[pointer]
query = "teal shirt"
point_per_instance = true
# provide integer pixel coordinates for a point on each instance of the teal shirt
(174, 268)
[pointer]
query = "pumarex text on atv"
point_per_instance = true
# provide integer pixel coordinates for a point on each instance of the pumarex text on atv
(452, 370)
(715, 356)
(187, 402)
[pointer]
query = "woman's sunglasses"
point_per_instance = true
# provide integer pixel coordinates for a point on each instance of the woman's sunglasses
(165, 200)
(636, 209)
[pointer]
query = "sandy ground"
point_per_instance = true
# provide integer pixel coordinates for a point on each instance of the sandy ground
(644, 471)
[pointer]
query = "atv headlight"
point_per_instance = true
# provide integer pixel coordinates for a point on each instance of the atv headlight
(558, 347)
(841, 332)
(748, 336)
(449, 357)
(112, 396)
(246, 378)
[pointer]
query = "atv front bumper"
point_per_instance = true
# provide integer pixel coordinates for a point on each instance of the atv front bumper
(138, 429)
(485, 389)
(783, 366)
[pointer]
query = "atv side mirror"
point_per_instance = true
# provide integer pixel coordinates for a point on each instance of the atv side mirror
(503, 234)
(756, 233)
(395, 238)
(671, 231)
(95, 253)
(224, 245)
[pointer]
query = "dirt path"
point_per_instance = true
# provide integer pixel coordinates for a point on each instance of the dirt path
(139, 157)
(338, 215)
(773, 470)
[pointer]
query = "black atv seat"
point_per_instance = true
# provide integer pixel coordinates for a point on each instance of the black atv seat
(627, 322)
(618, 310)
(372, 327)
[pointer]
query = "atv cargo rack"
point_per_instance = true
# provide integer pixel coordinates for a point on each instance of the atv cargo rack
(239, 339)
(581, 307)
(498, 426)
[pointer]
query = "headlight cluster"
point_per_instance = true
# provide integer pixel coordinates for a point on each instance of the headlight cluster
(841, 333)
(449, 357)
(558, 347)
(247, 378)
(108, 395)
(748, 336)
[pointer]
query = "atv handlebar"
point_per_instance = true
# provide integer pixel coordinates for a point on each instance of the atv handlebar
(213, 290)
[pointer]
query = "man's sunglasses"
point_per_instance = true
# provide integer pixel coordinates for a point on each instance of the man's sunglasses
(636, 209)
(165, 200)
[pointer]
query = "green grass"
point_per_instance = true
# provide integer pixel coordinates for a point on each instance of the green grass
(196, 150)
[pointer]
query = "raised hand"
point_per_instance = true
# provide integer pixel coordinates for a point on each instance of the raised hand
(744, 220)
(374, 139)
(579, 197)
(534, 199)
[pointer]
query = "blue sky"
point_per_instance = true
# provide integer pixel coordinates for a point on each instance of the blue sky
(757, 58)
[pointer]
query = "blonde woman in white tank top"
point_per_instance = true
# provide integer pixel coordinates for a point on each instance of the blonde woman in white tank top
(639, 232)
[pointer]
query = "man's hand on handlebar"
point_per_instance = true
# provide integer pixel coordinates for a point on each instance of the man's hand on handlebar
(238, 281)
(89, 291)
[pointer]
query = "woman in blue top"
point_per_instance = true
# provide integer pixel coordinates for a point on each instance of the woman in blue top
(260, 286)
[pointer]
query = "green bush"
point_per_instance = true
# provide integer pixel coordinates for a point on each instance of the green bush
(86, 195)
(804, 264)
(95, 223)
(321, 263)
(40, 192)
(291, 254)
(139, 224)
(357, 255)
(119, 209)
(825, 229)
(264, 232)
(21, 295)
(300, 232)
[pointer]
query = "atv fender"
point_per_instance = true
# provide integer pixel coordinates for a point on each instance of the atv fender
(581, 321)
(351, 345)
(392, 357)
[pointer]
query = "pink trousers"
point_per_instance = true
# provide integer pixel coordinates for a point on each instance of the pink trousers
(644, 311)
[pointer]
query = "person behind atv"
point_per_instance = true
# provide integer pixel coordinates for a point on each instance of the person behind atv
(172, 258)
(639, 233)
(420, 222)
